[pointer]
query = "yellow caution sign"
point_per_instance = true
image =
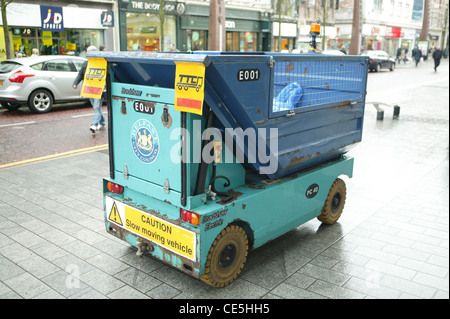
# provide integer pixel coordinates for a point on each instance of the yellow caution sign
(94, 78)
(163, 233)
(189, 87)
(114, 215)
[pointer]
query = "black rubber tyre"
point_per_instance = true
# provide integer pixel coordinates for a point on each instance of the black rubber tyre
(40, 101)
(334, 204)
(226, 257)
(392, 68)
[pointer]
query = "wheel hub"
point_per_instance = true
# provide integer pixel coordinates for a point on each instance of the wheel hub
(335, 202)
(227, 256)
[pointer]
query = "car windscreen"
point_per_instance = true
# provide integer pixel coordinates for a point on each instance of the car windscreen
(8, 66)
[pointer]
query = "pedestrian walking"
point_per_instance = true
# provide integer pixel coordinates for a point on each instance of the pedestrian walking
(34, 52)
(399, 55)
(405, 59)
(417, 55)
(437, 55)
(98, 121)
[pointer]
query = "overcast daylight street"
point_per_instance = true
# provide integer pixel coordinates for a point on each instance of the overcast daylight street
(66, 233)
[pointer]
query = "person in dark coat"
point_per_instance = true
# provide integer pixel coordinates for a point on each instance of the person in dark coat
(437, 55)
(417, 54)
(399, 55)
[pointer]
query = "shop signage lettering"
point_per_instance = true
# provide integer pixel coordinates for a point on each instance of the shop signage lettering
(52, 19)
(152, 6)
(394, 32)
(230, 24)
(107, 18)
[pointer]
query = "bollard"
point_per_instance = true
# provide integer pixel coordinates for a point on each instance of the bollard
(380, 115)
(396, 111)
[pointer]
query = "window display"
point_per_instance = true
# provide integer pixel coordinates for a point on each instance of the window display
(144, 32)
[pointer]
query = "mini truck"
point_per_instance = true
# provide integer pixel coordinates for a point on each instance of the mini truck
(199, 190)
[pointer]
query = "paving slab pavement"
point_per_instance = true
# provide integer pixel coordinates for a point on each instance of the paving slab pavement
(392, 241)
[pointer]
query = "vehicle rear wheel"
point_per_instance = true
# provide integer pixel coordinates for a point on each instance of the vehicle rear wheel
(334, 204)
(226, 257)
(40, 101)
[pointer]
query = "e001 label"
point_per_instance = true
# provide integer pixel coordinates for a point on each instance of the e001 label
(248, 75)
(144, 107)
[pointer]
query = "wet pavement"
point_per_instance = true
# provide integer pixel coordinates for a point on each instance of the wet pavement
(392, 241)
(25, 136)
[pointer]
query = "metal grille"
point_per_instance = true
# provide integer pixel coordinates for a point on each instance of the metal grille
(315, 82)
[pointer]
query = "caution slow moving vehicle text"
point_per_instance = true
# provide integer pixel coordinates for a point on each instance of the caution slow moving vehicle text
(172, 237)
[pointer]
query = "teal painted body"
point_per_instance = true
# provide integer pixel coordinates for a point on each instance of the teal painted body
(265, 209)
(147, 140)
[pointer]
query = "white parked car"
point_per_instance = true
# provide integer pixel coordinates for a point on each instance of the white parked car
(39, 82)
(333, 52)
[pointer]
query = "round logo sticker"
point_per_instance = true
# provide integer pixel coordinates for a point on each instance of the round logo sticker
(145, 141)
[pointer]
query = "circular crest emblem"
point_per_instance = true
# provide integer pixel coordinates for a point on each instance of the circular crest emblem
(145, 141)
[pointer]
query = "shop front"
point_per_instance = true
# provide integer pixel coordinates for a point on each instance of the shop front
(342, 39)
(434, 39)
(246, 31)
(373, 37)
(407, 42)
(67, 34)
(288, 37)
(140, 26)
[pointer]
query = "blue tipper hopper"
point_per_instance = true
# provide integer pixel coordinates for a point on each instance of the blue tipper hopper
(315, 101)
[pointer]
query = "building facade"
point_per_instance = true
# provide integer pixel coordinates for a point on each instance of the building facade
(312, 11)
(76, 25)
(391, 24)
(250, 25)
(186, 23)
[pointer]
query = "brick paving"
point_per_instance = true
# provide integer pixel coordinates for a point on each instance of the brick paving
(392, 240)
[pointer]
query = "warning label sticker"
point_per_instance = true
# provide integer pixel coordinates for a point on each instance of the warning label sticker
(176, 239)
(114, 215)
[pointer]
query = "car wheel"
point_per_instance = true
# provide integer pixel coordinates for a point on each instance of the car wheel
(392, 67)
(378, 68)
(40, 101)
(10, 106)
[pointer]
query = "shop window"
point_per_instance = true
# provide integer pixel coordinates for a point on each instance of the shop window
(79, 40)
(24, 40)
(241, 42)
(197, 40)
(143, 32)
